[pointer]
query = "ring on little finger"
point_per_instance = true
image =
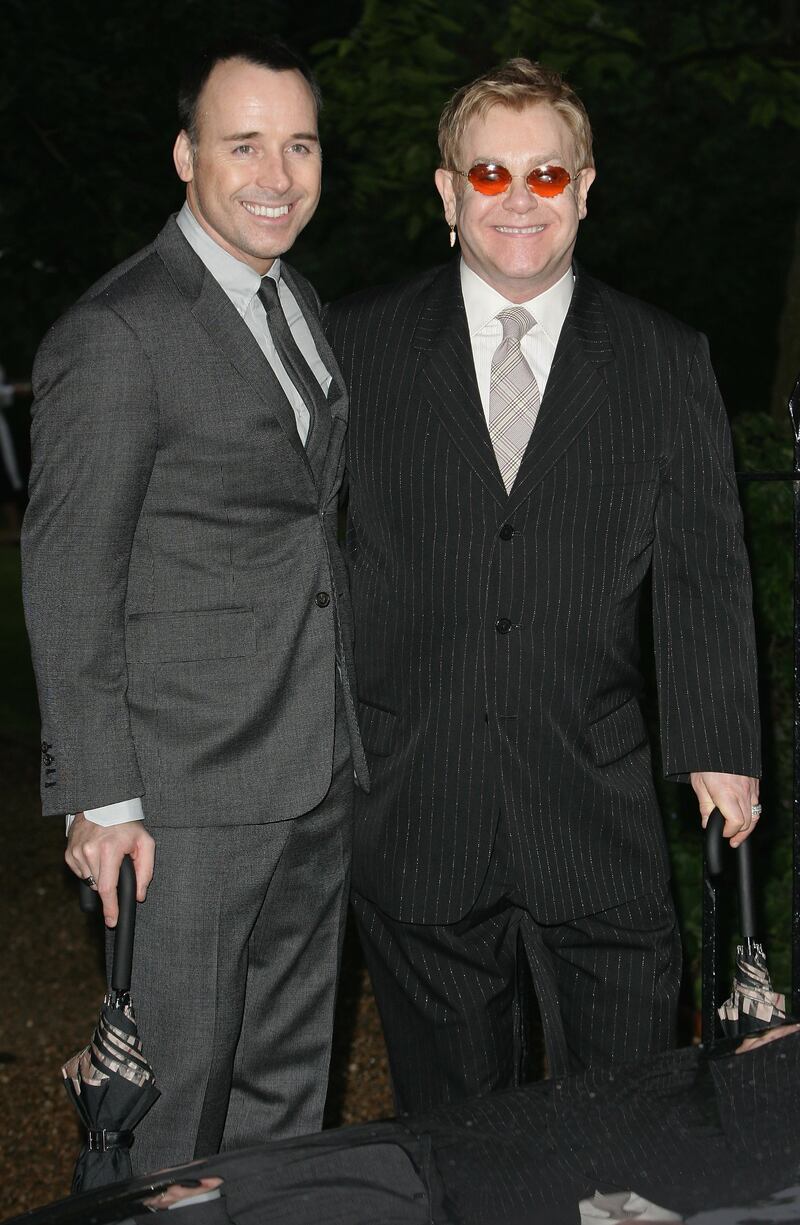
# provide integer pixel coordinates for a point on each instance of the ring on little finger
(90, 881)
(755, 811)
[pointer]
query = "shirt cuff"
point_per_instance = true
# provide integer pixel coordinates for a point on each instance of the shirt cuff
(112, 814)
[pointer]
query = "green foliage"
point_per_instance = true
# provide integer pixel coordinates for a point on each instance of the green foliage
(692, 106)
(384, 86)
(766, 445)
(763, 445)
(695, 109)
(87, 100)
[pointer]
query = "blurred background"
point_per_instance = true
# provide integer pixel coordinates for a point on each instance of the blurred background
(696, 112)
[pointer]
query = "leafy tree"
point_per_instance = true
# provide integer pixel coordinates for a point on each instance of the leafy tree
(87, 99)
(695, 110)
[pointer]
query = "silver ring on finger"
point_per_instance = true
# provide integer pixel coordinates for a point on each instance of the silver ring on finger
(90, 881)
(755, 811)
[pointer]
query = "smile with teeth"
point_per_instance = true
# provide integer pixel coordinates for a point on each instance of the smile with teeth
(527, 229)
(265, 210)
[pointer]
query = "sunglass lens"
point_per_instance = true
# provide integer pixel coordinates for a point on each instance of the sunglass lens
(489, 180)
(548, 180)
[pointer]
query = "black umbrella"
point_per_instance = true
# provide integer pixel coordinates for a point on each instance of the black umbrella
(752, 1004)
(110, 1082)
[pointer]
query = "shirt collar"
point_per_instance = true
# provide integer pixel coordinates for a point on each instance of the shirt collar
(240, 282)
(483, 304)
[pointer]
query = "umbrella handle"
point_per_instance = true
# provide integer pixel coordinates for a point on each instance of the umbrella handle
(713, 847)
(126, 923)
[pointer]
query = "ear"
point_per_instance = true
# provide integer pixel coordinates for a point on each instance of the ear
(587, 177)
(446, 189)
(183, 157)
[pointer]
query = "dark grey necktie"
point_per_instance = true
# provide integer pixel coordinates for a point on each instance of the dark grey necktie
(295, 365)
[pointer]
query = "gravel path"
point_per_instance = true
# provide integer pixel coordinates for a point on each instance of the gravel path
(53, 983)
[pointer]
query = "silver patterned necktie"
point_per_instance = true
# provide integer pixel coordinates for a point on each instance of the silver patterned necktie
(513, 394)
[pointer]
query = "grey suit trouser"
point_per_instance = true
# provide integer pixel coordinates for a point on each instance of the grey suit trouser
(235, 971)
(456, 999)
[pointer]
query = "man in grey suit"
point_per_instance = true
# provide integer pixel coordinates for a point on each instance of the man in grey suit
(188, 615)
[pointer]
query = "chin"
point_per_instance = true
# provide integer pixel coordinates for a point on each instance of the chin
(520, 278)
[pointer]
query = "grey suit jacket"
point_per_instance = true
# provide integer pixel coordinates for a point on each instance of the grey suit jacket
(184, 592)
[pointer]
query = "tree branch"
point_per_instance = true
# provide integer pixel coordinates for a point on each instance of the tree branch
(48, 144)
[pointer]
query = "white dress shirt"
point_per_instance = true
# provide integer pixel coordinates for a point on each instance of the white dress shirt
(483, 304)
(241, 283)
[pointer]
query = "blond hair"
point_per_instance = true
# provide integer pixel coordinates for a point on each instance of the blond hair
(517, 84)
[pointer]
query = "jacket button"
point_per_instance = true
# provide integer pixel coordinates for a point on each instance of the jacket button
(322, 599)
(506, 531)
(503, 625)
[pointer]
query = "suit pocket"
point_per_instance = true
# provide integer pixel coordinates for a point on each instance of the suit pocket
(180, 637)
(378, 728)
(617, 734)
(622, 472)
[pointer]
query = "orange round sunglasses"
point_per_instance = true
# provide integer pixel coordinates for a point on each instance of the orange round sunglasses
(492, 179)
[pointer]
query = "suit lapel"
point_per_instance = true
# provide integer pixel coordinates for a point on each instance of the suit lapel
(447, 376)
(226, 330)
(576, 388)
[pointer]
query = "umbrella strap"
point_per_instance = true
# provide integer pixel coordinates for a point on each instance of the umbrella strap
(102, 1141)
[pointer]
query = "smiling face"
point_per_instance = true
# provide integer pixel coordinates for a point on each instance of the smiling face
(517, 242)
(253, 177)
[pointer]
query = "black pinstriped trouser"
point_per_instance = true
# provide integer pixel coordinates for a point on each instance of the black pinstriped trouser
(454, 1005)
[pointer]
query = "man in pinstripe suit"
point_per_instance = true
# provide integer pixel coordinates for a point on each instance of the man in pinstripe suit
(527, 447)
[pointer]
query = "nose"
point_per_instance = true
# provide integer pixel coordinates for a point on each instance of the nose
(519, 198)
(272, 174)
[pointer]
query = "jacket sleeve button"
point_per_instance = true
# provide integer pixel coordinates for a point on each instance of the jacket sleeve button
(503, 625)
(322, 599)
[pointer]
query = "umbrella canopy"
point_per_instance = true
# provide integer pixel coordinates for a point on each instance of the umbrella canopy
(110, 1082)
(752, 1004)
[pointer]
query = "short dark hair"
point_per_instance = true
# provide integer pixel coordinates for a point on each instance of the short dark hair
(269, 53)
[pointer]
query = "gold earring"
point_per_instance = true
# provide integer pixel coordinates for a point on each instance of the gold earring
(452, 234)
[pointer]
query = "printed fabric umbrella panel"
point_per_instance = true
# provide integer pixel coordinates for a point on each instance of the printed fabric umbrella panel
(752, 1004)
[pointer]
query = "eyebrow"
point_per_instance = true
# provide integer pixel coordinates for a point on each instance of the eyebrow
(541, 159)
(252, 135)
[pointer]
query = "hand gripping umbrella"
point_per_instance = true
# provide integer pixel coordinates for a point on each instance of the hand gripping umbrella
(110, 1082)
(752, 1004)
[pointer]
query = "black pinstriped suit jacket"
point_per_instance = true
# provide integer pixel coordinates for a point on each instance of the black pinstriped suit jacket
(496, 635)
